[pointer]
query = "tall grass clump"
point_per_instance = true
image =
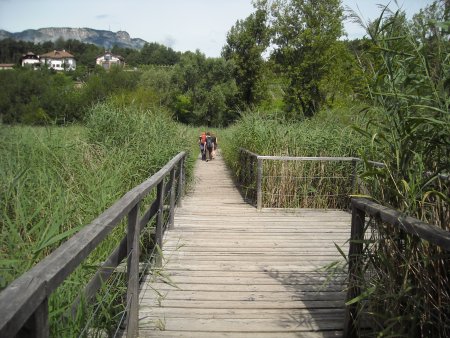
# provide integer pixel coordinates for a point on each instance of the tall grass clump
(408, 293)
(55, 180)
(297, 183)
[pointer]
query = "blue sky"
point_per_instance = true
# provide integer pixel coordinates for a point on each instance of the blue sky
(180, 24)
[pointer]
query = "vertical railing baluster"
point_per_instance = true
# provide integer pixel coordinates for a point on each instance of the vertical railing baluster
(38, 324)
(180, 181)
(133, 271)
(353, 183)
(159, 222)
(354, 271)
(172, 198)
(259, 184)
(243, 169)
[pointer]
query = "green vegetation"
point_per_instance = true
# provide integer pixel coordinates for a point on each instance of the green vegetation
(153, 53)
(299, 184)
(384, 98)
(405, 125)
(44, 97)
(246, 41)
(409, 295)
(55, 180)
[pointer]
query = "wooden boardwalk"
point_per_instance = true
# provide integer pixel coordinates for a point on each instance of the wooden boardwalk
(231, 271)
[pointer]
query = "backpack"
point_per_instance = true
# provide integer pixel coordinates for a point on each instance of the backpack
(209, 142)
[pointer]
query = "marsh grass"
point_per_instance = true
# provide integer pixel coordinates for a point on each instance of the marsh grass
(404, 283)
(307, 184)
(405, 287)
(288, 184)
(55, 180)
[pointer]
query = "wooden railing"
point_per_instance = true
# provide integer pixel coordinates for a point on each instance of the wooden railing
(251, 174)
(374, 228)
(24, 303)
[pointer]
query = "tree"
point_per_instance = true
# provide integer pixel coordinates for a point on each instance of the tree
(246, 42)
(304, 34)
(156, 54)
(204, 90)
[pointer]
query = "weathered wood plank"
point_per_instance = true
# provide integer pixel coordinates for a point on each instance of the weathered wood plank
(287, 324)
(230, 271)
(238, 313)
(200, 334)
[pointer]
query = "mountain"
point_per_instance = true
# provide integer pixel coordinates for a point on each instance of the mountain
(106, 39)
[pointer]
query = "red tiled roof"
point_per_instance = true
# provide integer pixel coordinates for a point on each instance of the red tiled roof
(57, 54)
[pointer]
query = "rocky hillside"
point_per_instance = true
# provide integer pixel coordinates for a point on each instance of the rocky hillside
(106, 39)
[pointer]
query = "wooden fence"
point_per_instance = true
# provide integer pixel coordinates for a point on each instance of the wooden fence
(251, 175)
(377, 228)
(24, 303)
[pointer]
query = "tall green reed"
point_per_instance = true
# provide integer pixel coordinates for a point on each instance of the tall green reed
(55, 180)
(294, 183)
(409, 285)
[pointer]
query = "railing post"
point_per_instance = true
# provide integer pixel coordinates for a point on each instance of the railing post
(180, 182)
(354, 161)
(354, 271)
(37, 324)
(243, 168)
(133, 271)
(172, 198)
(159, 222)
(259, 184)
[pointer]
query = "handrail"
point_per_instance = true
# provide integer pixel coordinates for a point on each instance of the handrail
(310, 158)
(362, 207)
(259, 169)
(24, 301)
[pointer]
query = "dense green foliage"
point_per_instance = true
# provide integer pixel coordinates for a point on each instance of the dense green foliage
(85, 54)
(382, 98)
(44, 97)
(55, 180)
(409, 84)
(406, 125)
(305, 33)
(205, 90)
(246, 42)
(197, 90)
(312, 184)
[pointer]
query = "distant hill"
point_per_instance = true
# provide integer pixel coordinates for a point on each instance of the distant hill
(102, 38)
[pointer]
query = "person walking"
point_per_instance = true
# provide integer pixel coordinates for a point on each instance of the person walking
(214, 139)
(202, 144)
(209, 146)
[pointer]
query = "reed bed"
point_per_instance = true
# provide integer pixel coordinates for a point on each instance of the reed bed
(292, 184)
(405, 285)
(54, 180)
(407, 292)
(307, 184)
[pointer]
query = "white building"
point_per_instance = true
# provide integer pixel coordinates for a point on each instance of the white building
(30, 60)
(108, 60)
(59, 60)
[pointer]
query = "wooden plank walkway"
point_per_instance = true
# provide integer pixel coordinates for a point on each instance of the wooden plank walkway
(235, 272)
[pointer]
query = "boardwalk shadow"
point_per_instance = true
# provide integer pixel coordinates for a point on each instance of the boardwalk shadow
(319, 299)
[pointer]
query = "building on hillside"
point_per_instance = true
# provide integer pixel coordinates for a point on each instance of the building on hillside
(107, 60)
(30, 60)
(59, 60)
(4, 66)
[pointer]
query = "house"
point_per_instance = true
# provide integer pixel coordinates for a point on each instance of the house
(59, 60)
(108, 60)
(4, 66)
(30, 60)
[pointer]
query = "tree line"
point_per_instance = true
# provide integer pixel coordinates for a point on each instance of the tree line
(286, 57)
(152, 53)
